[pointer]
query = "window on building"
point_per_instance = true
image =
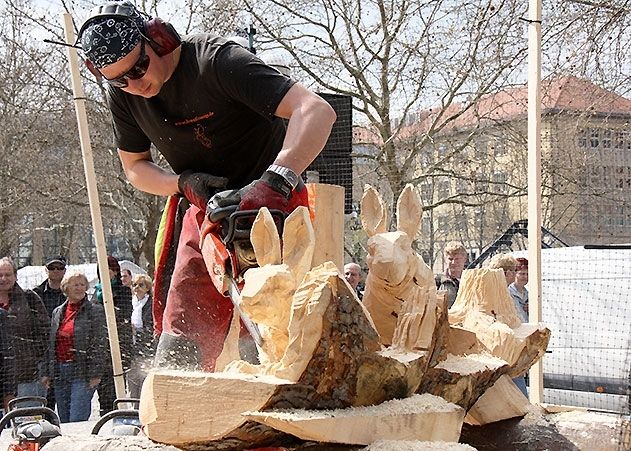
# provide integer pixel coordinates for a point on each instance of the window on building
(606, 139)
(481, 147)
(499, 182)
(426, 225)
(444, 188)
(462, 186)
(498, 148)
(461, 220)
(443, 223)
(478, 216)
(582, 138)
(426, 191)
(608, 175)
(594, 138)
(481, 183)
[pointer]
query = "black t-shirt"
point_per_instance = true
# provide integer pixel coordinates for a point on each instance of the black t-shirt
(215, 114)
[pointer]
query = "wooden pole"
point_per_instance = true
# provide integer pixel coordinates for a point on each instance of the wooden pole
(534, 186)
(95, 207)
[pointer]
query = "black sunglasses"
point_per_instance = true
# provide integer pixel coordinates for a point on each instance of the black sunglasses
(137, 71)
(138, 284)
(56, 268)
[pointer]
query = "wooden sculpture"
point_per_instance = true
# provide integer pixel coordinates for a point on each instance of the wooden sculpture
(397, 275)
(320, 352)
(396, 367)
(484, 320)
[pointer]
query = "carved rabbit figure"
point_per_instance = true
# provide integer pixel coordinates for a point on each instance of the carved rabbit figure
(268, 289)
(396, 275)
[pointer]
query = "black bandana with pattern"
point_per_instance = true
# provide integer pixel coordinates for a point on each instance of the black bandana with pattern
(108, 40)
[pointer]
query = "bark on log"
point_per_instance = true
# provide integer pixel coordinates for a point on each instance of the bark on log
(407, 445)
(463, 379)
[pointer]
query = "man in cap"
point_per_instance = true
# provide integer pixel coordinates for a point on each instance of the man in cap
(51, 295)
(49, 290)
(215, 112)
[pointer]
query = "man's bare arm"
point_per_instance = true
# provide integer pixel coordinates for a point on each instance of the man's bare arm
(147, 176)
(310, 121)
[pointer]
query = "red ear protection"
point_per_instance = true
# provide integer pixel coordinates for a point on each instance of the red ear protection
(161, 35)
(163, 38)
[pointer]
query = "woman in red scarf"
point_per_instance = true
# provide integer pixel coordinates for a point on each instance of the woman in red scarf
(77, 350)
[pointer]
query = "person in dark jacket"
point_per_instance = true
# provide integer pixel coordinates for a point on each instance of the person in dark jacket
(51, 295)
(122, 308)
(77, 352)
(143, 336)
(28, 328)
(49, 290)
(7, 362)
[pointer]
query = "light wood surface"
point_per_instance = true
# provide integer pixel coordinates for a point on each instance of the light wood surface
(326, 203)
(396, 273)
(420, 417)
(500, 402)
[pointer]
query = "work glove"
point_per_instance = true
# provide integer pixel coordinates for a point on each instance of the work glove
(271, 191)
(199, 187)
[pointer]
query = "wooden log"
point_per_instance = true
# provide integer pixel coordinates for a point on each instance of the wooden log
(183, 408)
(331, 361)
(326, 203)
(500, 402)
(419, 417)
(463, 379)
(484, 308)
(333, 346)
(410, 445)
(396, 273)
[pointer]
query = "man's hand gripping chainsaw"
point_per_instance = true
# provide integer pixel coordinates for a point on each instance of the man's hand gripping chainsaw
(227, 236)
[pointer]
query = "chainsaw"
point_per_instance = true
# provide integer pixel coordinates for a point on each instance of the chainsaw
(232, 253)
(31, 427)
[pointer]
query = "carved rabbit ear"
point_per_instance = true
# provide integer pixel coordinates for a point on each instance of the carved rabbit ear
(409, 211)
(373, 215)
(265, 239)
(298, 243)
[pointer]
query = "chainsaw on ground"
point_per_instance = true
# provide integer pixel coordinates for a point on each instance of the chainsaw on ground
(31, 427)
(232, 253)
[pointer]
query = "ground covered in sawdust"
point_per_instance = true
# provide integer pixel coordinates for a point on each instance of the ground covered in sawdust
(573, 430)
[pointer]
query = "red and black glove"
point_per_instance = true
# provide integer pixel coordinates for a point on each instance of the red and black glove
(271, 191)
(199, 187)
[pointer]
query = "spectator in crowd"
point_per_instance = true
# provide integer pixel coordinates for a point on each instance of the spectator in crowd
(51, 295)
(77, 352)
(49, 290)
(456, 256)
(143, 337)
(28, 328)
(353, 275)
(508, 264)
(245, 127)
(122, 308)
(518, 289)
(126, 277)
(7, 362)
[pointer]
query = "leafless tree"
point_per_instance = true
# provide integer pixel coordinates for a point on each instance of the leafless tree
(417, 71)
